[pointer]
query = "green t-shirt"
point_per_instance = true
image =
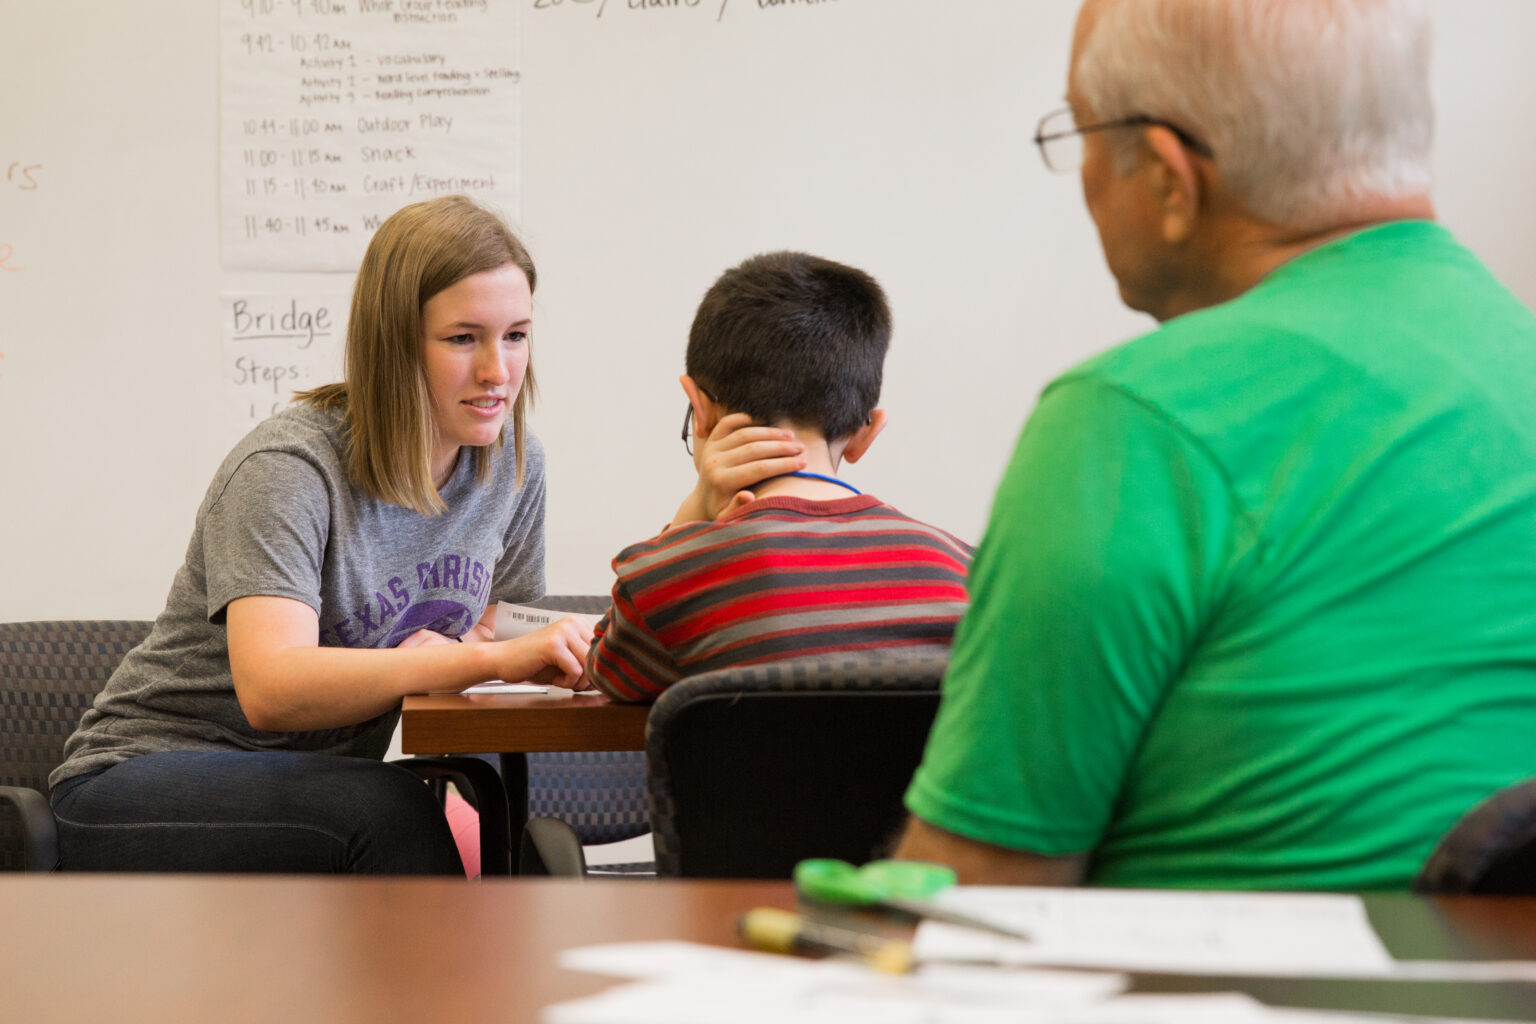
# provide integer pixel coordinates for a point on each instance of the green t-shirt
(1256, 607)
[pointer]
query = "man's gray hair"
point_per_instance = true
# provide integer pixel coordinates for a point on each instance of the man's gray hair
(1309, 105)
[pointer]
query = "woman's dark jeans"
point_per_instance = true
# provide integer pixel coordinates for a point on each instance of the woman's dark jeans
(260, 812)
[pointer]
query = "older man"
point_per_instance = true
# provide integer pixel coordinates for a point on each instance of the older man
(1256, 607)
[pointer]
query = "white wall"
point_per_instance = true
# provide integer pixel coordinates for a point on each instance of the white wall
(659, 147)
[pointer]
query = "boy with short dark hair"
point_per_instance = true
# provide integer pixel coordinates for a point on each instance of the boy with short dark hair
(784, 364)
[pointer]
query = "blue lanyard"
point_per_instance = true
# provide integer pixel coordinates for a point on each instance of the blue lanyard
(823, 476)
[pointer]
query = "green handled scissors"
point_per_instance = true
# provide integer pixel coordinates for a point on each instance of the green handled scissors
(906, 886)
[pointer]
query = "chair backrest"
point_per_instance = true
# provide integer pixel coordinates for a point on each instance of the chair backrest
(754, 768)
(601, 794)
(1491, 850)
(49, 674)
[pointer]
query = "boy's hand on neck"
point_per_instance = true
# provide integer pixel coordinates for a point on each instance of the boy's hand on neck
(736, 455)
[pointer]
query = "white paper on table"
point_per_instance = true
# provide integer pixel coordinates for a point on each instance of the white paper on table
(1465, 970)
(682, 1001)
(515, 620)
(689, 983)
(1285, 1015)
(507, 688)
(1209, 933)
(677, 1001)
(686, 982)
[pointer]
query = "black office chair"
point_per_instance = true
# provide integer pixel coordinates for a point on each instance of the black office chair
(1491, 850)
(752, 769)
(49, 674)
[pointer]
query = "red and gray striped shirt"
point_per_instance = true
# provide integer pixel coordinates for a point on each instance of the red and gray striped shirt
(779, 578)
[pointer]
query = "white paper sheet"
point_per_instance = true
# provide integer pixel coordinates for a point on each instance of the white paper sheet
(336, 113)
(683, 981)
(1249, 934)
(688, 983)
(507, 688)
(515, 620)
(276, 343)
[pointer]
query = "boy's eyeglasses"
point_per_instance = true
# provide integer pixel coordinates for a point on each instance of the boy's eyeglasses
(688, 420)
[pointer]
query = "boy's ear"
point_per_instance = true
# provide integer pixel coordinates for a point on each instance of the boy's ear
(705, 413)
(865, 436)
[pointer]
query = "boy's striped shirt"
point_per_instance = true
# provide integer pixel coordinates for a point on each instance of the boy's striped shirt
(779, 578)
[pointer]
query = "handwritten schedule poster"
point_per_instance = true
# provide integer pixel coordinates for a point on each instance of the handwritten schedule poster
(336, 113)
(276, 343)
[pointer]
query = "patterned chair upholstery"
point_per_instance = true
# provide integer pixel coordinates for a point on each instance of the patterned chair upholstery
(753, 769)
(49, 674)
(1491, 850)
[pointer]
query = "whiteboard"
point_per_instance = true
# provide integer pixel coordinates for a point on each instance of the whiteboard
(661, 143)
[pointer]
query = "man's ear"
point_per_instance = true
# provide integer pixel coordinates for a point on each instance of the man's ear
(1178, 184)
(705, 412)
(865, 436)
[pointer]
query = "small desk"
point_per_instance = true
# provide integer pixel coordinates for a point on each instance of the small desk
(504, 723)
(515, 725)
(158, 948)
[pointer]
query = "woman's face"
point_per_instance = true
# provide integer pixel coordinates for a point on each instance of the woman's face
(474, 351)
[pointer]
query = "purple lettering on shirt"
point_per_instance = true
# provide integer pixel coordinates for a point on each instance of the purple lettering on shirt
(386, 610)
(344, 634)
(451, 572)
(366, 614)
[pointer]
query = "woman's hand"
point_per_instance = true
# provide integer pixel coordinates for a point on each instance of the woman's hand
(736, 455)
(555, 654)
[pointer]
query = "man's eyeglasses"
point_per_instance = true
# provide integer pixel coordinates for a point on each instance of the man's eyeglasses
(688, 420)
(1061, 140)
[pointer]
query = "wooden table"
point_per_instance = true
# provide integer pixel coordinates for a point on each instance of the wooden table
(460, 723)
(185, 948)
(515, 725)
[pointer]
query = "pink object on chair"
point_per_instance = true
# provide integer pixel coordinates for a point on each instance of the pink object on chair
(464, 823)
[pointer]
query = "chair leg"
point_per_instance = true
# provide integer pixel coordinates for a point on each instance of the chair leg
(550, 847)
(474, 776)
(514, 775)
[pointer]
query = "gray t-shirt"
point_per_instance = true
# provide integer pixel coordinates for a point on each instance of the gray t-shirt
(282, 518)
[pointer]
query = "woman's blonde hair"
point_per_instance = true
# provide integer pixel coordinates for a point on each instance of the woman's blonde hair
(385, 404)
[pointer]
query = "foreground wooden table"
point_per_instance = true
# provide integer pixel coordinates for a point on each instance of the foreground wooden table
(183, 948)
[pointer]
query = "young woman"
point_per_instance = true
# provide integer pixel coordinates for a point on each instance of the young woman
(341, 550)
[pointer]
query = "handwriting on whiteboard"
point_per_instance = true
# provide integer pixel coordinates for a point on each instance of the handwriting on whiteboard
(335, 113)
(276, 343)
(22, 176)
(717, 7)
